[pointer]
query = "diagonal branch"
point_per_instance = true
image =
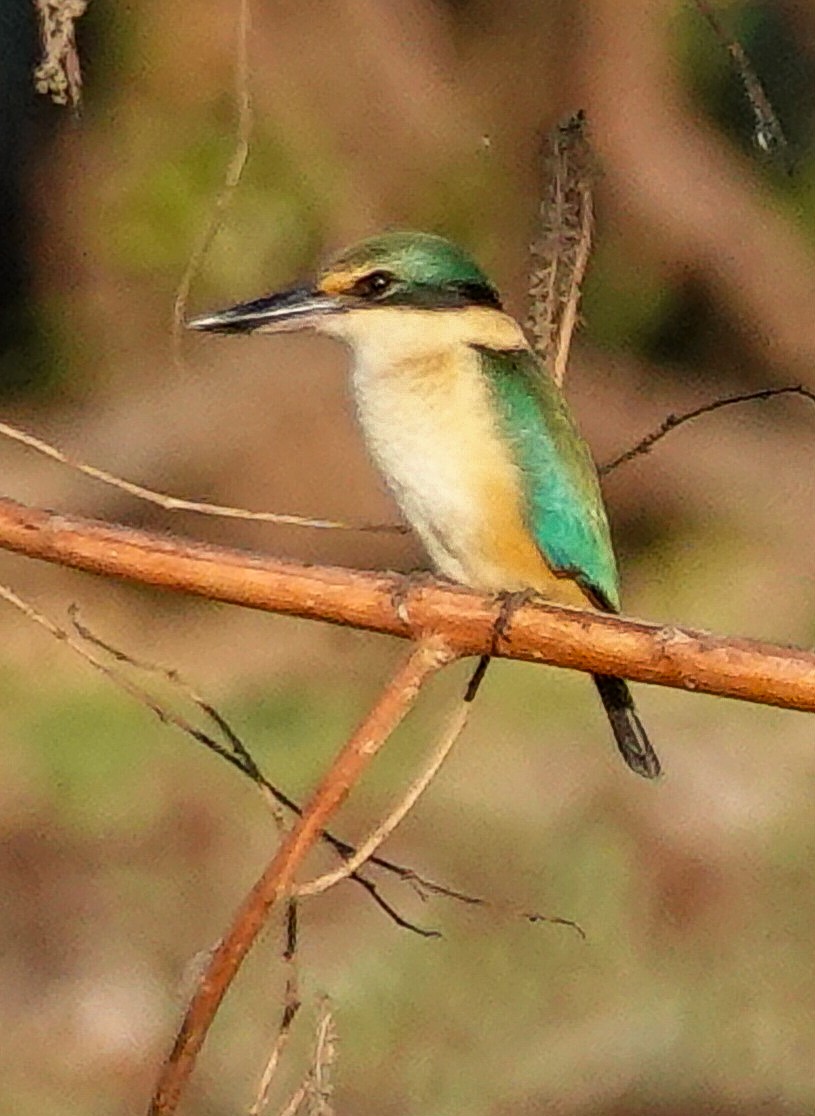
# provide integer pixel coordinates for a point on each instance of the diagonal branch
(664, 655)
(234, 751)
(397, 698)
(367, 848)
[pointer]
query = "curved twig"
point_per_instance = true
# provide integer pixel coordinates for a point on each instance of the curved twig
(672, 422)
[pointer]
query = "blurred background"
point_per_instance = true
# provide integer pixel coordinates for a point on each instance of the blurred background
(124, 849)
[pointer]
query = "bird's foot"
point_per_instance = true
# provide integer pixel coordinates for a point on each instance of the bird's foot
(509, 603)
(404, 585)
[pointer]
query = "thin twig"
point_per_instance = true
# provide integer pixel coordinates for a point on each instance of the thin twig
(296, 1099)
(398, 697)
(368, 847)
(166, 716)
(291, 1006)
(646, 444)
(504, 910)
(237, 754)
(317, 1088)
(234, 171)
(238, 750)
(767, 131)
(325, 1057)
(476, 678)
(176, 503)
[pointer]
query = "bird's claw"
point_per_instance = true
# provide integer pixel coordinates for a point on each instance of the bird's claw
(509, 603)
(403, 586)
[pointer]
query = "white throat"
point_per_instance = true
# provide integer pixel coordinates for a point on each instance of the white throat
(424, 408)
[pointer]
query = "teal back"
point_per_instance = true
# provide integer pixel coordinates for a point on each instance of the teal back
(564, 503)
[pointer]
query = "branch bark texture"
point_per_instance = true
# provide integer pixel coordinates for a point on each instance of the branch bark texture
(663, 655)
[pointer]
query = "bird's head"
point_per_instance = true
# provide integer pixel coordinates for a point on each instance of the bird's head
(398, 271)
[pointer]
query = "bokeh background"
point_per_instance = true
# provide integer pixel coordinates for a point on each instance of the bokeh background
(124, 848)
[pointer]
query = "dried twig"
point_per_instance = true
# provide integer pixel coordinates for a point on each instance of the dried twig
(166, 716)
(295, 1101)
(767, 131)
(291, 1006)
(425, 659)
(503, 910)
(238, 755)
(646, 444)
(176, 503)
(59, 74)
(234, 752)
(323, 1062)
(317, 1090)
(560, 254)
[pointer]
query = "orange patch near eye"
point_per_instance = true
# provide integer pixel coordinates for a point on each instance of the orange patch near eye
(341, 282)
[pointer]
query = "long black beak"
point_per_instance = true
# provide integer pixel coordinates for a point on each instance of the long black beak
(296, 309)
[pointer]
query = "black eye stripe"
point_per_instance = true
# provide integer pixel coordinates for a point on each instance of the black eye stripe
(381, 286)
(478, 294)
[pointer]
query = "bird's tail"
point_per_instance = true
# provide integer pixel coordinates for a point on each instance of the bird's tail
(631, 737)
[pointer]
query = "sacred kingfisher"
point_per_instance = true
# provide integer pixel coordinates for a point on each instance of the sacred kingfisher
(472, 434)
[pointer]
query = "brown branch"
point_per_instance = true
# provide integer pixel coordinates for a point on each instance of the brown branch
(659, 654)
(425, 659)
(366, 849)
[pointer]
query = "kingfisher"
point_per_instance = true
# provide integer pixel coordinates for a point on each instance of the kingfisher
(472, 434)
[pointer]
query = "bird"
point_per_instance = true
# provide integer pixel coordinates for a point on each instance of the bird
(471, 433)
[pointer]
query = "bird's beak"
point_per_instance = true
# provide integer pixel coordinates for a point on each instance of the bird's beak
(286, 312)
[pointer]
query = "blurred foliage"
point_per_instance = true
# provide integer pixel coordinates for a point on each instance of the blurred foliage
(133, 807)
(158, 213)
(627, 305)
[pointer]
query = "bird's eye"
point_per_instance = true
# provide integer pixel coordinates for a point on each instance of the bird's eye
(373, 285)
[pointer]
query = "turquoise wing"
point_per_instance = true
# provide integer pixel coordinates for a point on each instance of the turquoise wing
(564, 503)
